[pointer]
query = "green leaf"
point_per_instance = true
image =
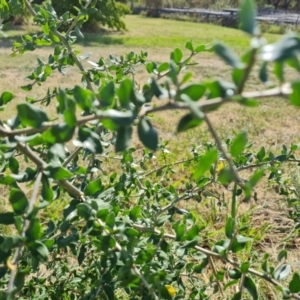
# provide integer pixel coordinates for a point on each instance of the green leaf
(228, 55)
(279, 70)
(27, 175)
(295, 95)
(3, 270)
(179, 229)
(229, 227)
(163, 67)
(192, 243)
(110, 220)
(189, 46)
(286, 48)
(294, 285)
(239, 144)
(27, 87)
(263, 73)
(135, 213)
(79, 33)
(157, 89)
(83, 97)
(220, 88)
(57, 172)
(176, 56)
(19, 281)
(123, 138)
(247, 16)
(47, 192)
(5, 97)
(145, 256)
(18, 201)
(85, 211)
(59, 133)
(107, 94)
(34, 231)
(147, 134)
(93, 188)
(192, 233)
(193, 90)
(237, 296)
(200, 48)
(31, 115)
(13, 165)
(186, 77)
(205, 163)
(10, 242)
(245, 267)
(81, 255)
(7, 218)
(251, 287)
(234, 274)
(255, 178)
(124, 92)
(110, 294)
(239, 243)
(282, 272)
(199, 268)
(281, 255)
(261, 154)
(187, 122)
(39, 251)
(120, 118)
(89, 139)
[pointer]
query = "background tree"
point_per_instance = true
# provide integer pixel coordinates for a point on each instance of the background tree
(105, 13)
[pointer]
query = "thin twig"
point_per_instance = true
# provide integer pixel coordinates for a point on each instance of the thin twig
(213, 267)
(242, 283)
(71, 156)
(26, 224)
(43, 165)
(169, 165)
(224, 152)
(247, 71)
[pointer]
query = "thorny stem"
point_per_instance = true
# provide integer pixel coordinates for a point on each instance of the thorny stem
(26, 224)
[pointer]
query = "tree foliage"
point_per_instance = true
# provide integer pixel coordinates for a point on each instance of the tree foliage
(128, 237)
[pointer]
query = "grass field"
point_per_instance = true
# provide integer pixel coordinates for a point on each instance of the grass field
(272, 124)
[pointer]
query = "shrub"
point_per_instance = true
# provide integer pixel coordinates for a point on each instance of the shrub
(125, 235)
(105, 13)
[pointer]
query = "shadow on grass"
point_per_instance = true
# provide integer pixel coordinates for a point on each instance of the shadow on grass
(104, 37)
(11, 34)
(90, 39)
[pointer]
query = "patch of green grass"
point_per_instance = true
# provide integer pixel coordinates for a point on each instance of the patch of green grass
(150, 32)
(145, 32)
